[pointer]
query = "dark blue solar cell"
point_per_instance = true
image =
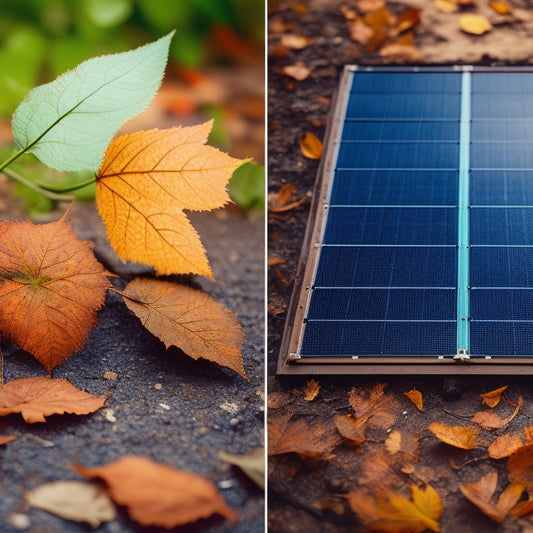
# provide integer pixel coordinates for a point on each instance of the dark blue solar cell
(501, 338)
(501, 187)
(510, 226)
(387, 267)
(494, 155)
(407, 82)
(502, 83)
(391, 225)
(379, 338)
(500, 105)
(389, 187)
(501, 267)
(404, 106)
(401, 131)
(398, 155)
(383, 304)
(501, 304)
(501, 130)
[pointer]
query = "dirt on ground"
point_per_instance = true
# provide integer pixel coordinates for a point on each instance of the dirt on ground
(316, 483)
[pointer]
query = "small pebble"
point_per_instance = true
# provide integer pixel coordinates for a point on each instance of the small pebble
(229, 407)
(226, 484)
(111, 376)
(158, 386)
(18, 521)
(110, 415)
(165, 406)
(234, 421)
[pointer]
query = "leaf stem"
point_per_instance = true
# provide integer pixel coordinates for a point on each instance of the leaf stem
(21, 179)
(124, 295)
(68, 189)
(10, 160)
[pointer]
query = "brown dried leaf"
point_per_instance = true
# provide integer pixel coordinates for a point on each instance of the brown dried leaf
(402, 441)
(296, 42)
(416, 397)
(394, 513)
(481, 495)
(350, 431)
(281, 201)
(298, 71)
(402, 50)
(311, 390)
(157, 494)
(492, 398)
(51, 287)
(522, 509)
(37, 397)
(504, 446)
(408, 18)
(474, 24)
(502, 8)
(458, 436)
(189, 319)
(520, 466)
(311, 146)
(490, 420)
(379, 21)
(313, 440)
(276, 400)
(360, 32)
(373, 407)
(366, 6)
(4, 439)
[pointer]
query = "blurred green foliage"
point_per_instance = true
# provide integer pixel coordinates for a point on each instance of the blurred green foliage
(247, 186)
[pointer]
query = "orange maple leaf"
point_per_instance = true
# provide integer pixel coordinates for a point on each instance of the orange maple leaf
(37, 397)
(157, 494)
(51, 287)
(189, 319)
(145, 183)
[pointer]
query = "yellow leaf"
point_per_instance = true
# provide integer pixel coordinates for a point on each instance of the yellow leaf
(492, 398)
(311, 390)
(474, 24)
(458, 436)
(446, 6)
(416, 397)
(394, 513)
(311, 146)
(144, 185)
(502, 8)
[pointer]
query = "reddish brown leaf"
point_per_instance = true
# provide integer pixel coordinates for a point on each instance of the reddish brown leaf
(416, 397)
(189, 319)
(51, 287)
(157, 494)
(348, 428)
(281, 201)
(394, 513)
(407, 19)
(145, 183)
(490, 420)
(37, 397)
(401, 441)
(504, 446)
(403, 49)
(311, 146)
(458, 436)
(481, 495)
(374, 407)
(492, 398)
(520, 466)
(314, 440)
(379, 21)
(522, 509)
(311, 390)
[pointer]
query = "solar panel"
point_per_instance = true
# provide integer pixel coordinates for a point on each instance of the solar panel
(420, 246)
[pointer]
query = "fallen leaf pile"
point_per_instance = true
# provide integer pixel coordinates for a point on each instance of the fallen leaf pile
(390, 481)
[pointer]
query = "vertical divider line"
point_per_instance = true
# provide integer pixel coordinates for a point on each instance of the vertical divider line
(463, 233)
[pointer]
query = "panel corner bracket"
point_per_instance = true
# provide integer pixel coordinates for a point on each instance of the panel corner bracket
(462, 355)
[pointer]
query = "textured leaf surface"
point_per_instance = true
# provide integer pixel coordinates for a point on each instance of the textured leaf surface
(157, 494)
(37, 397)
(74, 500)
(189, 319)
(51, 287)
(146, 181)
(458, 436)
(70, 121)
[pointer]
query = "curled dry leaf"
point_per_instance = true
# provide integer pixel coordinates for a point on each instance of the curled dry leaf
(458, 436)
(481, 495)
(281, 201)
(394, 513)
(352, 433)
(252, 464)
(311, 146)
(51, 287)
(74, 500)
(490, 420)
(37, 397)
(474, 24)
(157, 494)
(311, 390)
(189, 319)
(416, 397)
(298, 71)
(144, 185)
(492, 398)
(315, 440)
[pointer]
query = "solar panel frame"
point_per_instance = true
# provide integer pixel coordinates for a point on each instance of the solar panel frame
(290, 360)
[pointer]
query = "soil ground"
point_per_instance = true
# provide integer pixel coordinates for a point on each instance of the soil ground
(310, 495)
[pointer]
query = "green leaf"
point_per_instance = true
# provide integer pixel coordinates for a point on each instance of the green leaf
(247, 186)
(69, 122)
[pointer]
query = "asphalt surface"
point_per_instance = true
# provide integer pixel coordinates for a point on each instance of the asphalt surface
(163, 404)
